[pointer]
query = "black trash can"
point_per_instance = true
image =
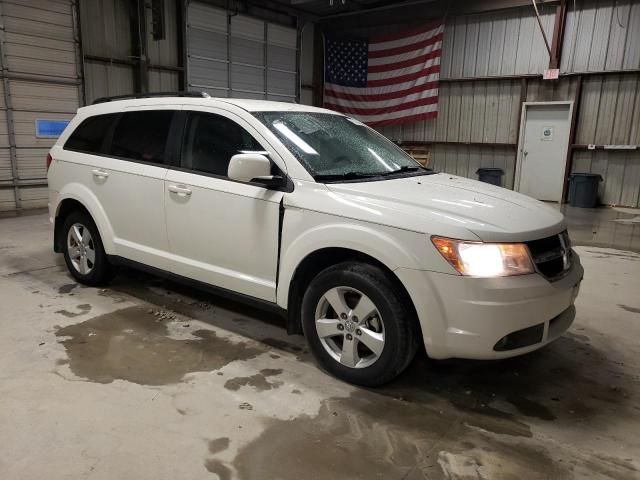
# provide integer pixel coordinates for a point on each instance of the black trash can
(583, 189)
(490, 175)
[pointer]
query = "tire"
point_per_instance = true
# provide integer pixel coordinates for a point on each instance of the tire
(96, 270)
(393, 321)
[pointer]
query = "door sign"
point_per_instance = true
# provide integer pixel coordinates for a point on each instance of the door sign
(547, 134)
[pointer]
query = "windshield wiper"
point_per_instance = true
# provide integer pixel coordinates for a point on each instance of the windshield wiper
(408, 168)
(404, 168)
(343, 176)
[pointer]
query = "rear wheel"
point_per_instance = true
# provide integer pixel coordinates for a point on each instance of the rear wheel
(83, 251)
(357, 325)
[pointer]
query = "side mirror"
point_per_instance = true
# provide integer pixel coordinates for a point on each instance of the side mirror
(244, 167)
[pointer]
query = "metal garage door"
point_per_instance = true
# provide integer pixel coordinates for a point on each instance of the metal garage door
(39, 81)
(240, 56)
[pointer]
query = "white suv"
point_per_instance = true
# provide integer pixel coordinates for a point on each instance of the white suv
(318, 216)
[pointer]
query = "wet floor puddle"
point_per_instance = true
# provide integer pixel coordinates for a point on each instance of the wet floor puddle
(134, 345)
(260, 381)
(452, 420)
(441, 420)
(369, 436)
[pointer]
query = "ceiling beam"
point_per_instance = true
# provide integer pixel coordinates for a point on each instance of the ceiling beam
(439, 7)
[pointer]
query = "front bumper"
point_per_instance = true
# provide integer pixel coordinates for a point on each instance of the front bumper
(463, 317)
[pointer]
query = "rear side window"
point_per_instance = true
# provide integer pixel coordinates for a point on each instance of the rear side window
(211, 140)
(142, 135)
(90, 134)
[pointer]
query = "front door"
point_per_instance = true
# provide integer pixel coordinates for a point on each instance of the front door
(220, 231)
(543, 150)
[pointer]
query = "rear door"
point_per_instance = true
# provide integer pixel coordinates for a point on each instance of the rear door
(221, 232)
(128, 181)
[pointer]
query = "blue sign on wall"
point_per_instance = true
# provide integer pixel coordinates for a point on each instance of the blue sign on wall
(46, 128)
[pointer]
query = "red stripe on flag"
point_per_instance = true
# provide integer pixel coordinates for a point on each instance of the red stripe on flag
(405, 33)
(403, 78)
(399, 120)
(382, 110)
(405, 63)
(381, 96)
(405, 48)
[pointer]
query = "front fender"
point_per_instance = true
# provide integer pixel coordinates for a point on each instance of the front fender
(396, 250)
(83, 195)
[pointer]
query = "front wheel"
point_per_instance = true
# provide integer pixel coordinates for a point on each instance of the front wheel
(357, 325)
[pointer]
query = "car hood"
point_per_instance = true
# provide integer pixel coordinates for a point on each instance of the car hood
(445, 204)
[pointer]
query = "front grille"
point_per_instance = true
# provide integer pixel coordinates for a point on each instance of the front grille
(551, 255)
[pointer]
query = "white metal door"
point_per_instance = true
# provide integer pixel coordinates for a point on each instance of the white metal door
(543, 149)
(222, 232)
(231, 55)
(38, 83)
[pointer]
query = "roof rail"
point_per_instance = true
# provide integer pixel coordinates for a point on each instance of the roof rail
(151, 95)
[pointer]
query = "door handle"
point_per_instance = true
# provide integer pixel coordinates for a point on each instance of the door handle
(180, 190)
(100, 173)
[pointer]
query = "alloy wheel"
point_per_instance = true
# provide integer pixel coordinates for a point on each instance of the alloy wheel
(350, 327)
(81, 248)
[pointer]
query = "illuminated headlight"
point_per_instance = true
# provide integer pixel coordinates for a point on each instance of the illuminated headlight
(477, 259)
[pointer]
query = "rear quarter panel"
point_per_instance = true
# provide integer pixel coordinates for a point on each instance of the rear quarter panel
(67, 180)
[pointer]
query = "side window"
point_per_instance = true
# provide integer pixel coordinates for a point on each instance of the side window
(142, 135)
(88, 137)
(211, 140)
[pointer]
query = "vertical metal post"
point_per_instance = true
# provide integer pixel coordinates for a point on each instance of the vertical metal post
(4, 71)
(77, 43)
(577, 99)
(183, 58)
(229, 79)
(141, 46)
(544, 35)
(299, 25)
(266, 59)
(558, 34)
(318, 66)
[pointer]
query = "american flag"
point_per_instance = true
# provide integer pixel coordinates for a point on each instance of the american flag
(387, 80)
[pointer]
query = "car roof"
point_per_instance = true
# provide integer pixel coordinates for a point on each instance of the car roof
(249, 105)
(271, 106)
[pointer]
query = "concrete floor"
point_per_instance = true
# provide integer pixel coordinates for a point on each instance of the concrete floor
(148, 379)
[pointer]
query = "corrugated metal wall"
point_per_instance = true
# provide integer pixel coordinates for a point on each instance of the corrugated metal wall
(610, 110)
(490, 63)
(504, 43)
(482, 111)
(610, 115)
(164, 53)
(602, 35)
(106, 32)
(473, 112)
(242, 56)
(110, 56)
(620, 171)
(464, 160)
(40, 80)
(53, 62)
(478, 118)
